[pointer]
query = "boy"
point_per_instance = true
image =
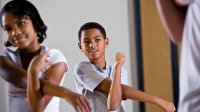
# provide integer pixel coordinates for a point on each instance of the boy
(101, 82)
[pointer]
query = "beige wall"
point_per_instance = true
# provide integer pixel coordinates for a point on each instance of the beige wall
(156, 55)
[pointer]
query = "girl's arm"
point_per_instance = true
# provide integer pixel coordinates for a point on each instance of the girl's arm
(38, 93)
(12, 73)
(115, 93)
(79, 102)
(172, 17)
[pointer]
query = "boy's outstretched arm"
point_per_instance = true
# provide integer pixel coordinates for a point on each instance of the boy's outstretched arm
(134, 94)
(172, 18)
(115, 93)
(35, 95)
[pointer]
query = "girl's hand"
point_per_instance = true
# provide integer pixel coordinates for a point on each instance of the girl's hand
(40, 62)
(79, 102)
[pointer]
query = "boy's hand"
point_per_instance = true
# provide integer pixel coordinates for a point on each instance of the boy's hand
(166, 105)
(120, 58)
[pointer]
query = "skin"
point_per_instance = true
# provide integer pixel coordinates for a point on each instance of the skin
(93, 46)
(114, 100)
(40, 63)
(21, 34)
(172, 14)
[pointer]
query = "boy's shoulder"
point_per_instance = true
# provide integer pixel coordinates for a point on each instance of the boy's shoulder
(83, 64)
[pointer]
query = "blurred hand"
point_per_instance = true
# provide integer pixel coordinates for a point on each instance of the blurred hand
(79, 102)
(166, 105)
(40, 62)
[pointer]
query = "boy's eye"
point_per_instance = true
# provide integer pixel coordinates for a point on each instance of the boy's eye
(96, 40)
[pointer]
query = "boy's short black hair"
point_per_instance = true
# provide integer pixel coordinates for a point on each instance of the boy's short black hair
(21, 8)
(91, 25)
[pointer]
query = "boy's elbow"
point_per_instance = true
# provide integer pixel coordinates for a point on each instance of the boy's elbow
(113, 106)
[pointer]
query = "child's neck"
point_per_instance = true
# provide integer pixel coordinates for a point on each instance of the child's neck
(101, 64)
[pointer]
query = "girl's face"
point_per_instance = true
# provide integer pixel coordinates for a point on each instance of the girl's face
(93, 44)
(20, 31)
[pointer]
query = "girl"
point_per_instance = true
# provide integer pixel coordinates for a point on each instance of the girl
(32, 71)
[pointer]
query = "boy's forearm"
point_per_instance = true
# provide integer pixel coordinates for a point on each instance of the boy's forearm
(115, 94)
(134, 94)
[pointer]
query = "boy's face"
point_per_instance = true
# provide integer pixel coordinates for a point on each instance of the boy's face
(93, 44)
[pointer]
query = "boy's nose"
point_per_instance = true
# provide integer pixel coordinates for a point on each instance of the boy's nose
(92, 44)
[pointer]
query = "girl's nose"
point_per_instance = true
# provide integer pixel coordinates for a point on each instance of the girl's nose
(16, 32)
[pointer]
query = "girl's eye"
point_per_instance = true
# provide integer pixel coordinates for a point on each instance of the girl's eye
(86, 42)
(8, 29)
(21, 22)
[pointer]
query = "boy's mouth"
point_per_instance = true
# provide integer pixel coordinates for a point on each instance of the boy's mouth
(93, 51)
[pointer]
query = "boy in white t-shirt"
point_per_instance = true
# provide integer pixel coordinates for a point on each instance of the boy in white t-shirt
(105, 85)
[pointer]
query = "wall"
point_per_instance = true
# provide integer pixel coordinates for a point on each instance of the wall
(156, 55)
(64, 17)
(3, 95)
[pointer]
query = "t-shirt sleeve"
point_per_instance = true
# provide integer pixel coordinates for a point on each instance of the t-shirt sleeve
(88, 76)
(2, 53)
(9, 54)
(56, 56)
(5, 52)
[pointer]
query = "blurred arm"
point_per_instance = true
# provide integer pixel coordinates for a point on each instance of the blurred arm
(172, 18)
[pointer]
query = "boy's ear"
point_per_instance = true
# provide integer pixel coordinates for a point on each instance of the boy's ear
(79, 45)
(106, 42)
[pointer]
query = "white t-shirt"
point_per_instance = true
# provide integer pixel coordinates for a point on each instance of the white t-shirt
(88, 77)
(17, 96)
(189, 99)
